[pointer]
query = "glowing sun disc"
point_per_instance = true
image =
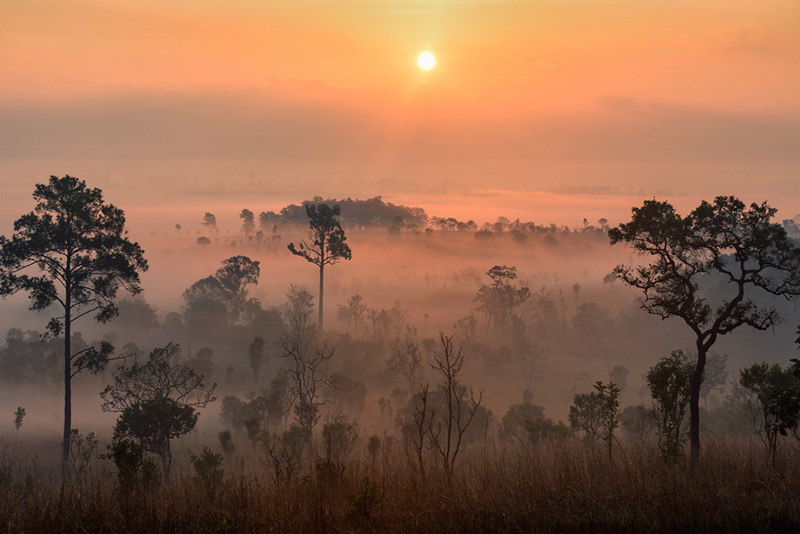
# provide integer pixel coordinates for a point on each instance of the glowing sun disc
(426, 60)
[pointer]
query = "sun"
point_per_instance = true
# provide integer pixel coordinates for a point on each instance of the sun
(426, 60)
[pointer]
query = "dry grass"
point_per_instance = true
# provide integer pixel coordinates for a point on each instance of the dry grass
(567, 488)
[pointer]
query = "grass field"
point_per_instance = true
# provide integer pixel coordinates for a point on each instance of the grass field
(565, 487)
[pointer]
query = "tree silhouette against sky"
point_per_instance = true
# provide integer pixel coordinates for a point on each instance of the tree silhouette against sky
(326, 244)
(72, 251)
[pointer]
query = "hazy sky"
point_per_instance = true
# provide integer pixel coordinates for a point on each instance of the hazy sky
(278, 100)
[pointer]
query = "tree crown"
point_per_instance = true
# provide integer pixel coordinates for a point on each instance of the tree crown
(723, 238)
(79, 245)
(327, 245)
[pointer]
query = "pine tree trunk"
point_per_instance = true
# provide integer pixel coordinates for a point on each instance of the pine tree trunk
(321, 279)
(67, 385)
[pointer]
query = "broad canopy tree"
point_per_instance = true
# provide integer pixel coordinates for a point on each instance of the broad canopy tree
(499, 298)
(157, 401)
(71, 251)
(326, 244)
(737, 244)
(224, 294)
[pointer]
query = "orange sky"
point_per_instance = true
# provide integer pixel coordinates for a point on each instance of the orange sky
(299, 97)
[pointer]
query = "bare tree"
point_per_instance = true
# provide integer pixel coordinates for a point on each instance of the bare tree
(308, 358)
(309, 372)
(449, 425)
(415, 425)
(407, 362)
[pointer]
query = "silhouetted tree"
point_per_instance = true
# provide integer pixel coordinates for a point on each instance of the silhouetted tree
(256, 355)
(407, 362)
(586, 415)
(460, 405)
(525, 423)
(353, 311)
(225, 292)
(157, 400)
(19, 414)
(308, 368)
(778, 395)
(326, 245)
(725, 238)
(669, 382)
(609, 400)
(79, 246)
(210, 222)
(248, 222)
(499, 298)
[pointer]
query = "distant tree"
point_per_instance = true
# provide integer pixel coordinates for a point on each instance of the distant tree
(19, 414)
(353, 311)
(138, 316)
(608, 394)
(203, 362)
(256, 355)
(525, 423)
(619, 375)
(467, 326)
(308, 360)
(527, 351)
(79, 246)
(208, 470)
(309, 372)
(448, 425)
(268, 220)
(298, 314)
(346, 394)
(157, 401)
(225, 292)
(499, 298)
(715, 375)
(590, 320)
(178, 228)
(586, 415)
(203, 241)
(670, 381)
(407, 362)
(210, 222)
(542, 312)
(226, 442)
(326, 244)
(248, 222)
(777, 392)
(738, 244)
(576, 290)
(636, 421)
(285, 452)
(339, 436)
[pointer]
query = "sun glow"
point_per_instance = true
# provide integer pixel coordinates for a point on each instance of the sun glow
(426, 60)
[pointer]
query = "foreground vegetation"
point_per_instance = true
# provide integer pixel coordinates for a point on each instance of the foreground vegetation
(565, 488)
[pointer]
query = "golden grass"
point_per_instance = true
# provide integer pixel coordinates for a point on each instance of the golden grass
(563, 488)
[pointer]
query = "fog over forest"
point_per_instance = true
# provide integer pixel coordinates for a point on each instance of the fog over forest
(412, 276)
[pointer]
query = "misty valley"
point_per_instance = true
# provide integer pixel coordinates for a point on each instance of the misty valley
(358, 365)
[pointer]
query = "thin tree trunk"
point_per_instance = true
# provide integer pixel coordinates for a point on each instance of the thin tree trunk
(694, 405)
(67, 380)
(321, 279)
